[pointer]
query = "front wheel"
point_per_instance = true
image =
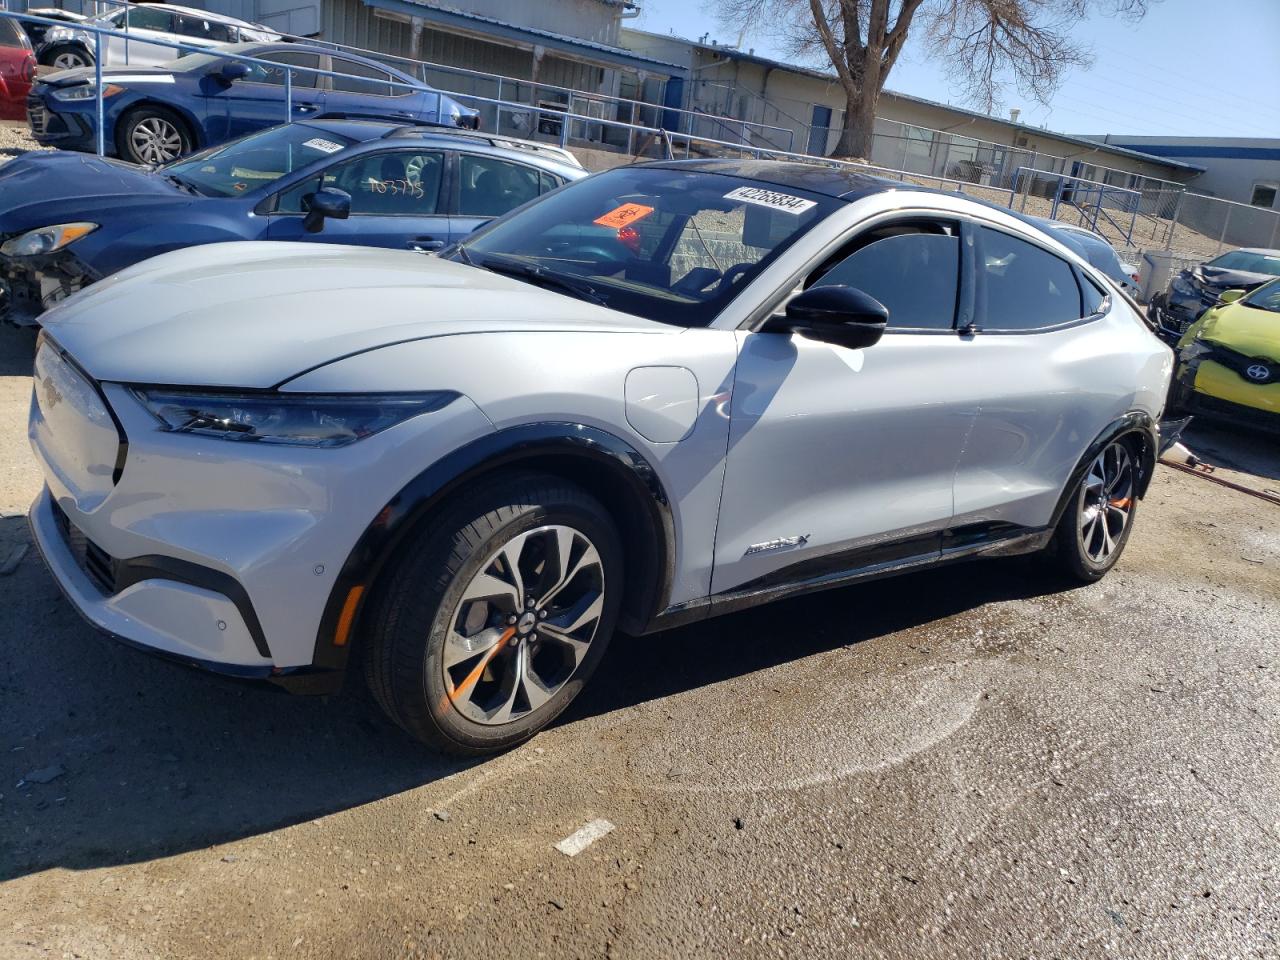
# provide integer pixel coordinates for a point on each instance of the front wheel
(152, 136)
(66, 56)
(492, 623)
(1095, 526)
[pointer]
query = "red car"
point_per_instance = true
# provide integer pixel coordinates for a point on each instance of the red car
(17, 68)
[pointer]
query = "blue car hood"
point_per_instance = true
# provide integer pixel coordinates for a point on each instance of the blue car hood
(43, 188)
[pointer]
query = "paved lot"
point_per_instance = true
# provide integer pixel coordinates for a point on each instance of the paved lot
(969, 763)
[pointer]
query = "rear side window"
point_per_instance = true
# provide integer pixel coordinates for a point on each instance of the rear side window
(10, 36)
(378, 82)
(490, 187)
(1093, 297)
(549, 182)
(1021, 286)
(915, 275)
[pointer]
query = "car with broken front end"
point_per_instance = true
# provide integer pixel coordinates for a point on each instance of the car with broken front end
(66, 221)
(662, 393)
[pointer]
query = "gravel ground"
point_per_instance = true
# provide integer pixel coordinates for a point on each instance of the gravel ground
(972, 762)
(15, 140)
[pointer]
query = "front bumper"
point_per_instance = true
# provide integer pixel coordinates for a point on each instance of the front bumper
(31, 285)
(67, 130)
(220, 554)
(1213, 389)
(1174, 313)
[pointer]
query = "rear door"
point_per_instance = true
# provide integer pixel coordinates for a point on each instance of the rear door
(1047, 375)
(258, 100)
(366, 90)
(396, 201)
(199, 31)
(489, 186)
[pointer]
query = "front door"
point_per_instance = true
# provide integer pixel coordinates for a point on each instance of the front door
(395, 202)
(258, 100)
(839, 458)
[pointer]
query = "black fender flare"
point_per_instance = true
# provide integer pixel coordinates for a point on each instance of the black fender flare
(1135, 424)
(526, 443)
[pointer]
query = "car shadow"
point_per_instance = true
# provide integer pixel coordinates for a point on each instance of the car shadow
(1223, 444)
(115, 757)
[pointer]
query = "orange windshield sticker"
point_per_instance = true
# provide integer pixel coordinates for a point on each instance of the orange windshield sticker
(622, 216)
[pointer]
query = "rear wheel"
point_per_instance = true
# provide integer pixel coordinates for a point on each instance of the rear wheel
(152, 135)
(66, 56)
(491, 624)
(1095, 526)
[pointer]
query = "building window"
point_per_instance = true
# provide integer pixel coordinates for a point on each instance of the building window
(1264, 195)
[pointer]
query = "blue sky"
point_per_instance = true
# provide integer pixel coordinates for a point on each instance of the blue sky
(1190, 68)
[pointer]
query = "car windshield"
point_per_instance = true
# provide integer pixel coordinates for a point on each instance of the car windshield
(1249, 261)
(666, 244)
(1266, 297)
(236, 168)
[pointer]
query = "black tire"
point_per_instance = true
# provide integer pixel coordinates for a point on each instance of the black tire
(1076, 551)
(49, 57)
(143, 118)
(415, 605)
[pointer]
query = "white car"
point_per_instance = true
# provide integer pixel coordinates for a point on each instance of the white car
(658, 394)
(69, 47)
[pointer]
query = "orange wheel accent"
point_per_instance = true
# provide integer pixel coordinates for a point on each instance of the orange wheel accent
(471, 678)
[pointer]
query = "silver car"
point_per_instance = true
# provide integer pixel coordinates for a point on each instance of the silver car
(659, 394)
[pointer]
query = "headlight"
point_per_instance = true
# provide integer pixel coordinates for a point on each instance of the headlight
(85, 92)
(46, 239)
(307, 420)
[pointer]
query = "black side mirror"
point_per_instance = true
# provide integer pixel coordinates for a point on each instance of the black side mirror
(844, 316)
(326, 203)
(233, 70)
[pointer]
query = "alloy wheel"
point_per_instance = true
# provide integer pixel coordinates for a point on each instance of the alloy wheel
(523, 625)
(1106, 502)
(155, 140)
(69, 61)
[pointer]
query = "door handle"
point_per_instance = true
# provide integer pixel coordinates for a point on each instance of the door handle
(305, 107)
(425, 244)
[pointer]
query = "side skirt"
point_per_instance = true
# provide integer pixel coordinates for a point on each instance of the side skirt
(962, 544)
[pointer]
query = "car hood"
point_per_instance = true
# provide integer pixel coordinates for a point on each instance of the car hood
(39, 189)
(256, 314)
(121, 75)
(1217, 279)
(1244, 329)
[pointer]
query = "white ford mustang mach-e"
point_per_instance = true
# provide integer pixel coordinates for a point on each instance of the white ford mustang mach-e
(661, 393)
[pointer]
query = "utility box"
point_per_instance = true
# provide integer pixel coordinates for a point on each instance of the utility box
(1153, 275)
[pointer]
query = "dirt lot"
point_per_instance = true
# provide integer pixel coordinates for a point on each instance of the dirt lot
(973, 762)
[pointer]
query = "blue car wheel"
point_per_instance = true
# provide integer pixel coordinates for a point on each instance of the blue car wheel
(152, 135)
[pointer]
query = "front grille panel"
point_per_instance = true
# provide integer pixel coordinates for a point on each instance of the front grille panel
(37, 116)
(1240, 363)
(98, 565)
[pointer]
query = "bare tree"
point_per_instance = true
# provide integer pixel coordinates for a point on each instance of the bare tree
(979, 41)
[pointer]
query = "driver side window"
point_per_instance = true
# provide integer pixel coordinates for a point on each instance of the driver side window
(399, 183)
(912, 268)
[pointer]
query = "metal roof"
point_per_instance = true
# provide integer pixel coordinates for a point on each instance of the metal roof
(734, 54)
(601, 53)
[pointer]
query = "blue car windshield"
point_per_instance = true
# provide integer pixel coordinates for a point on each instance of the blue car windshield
(670, 245)
(242, 166)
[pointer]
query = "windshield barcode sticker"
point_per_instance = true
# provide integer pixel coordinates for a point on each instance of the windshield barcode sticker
(325, 146)
(771, 199)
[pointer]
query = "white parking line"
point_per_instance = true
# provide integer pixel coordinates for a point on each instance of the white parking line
(584, 837)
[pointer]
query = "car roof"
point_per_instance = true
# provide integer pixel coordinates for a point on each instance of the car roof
(834, 181)
(544, 150)
(205, 14)
(248, 49)
(369, 132)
